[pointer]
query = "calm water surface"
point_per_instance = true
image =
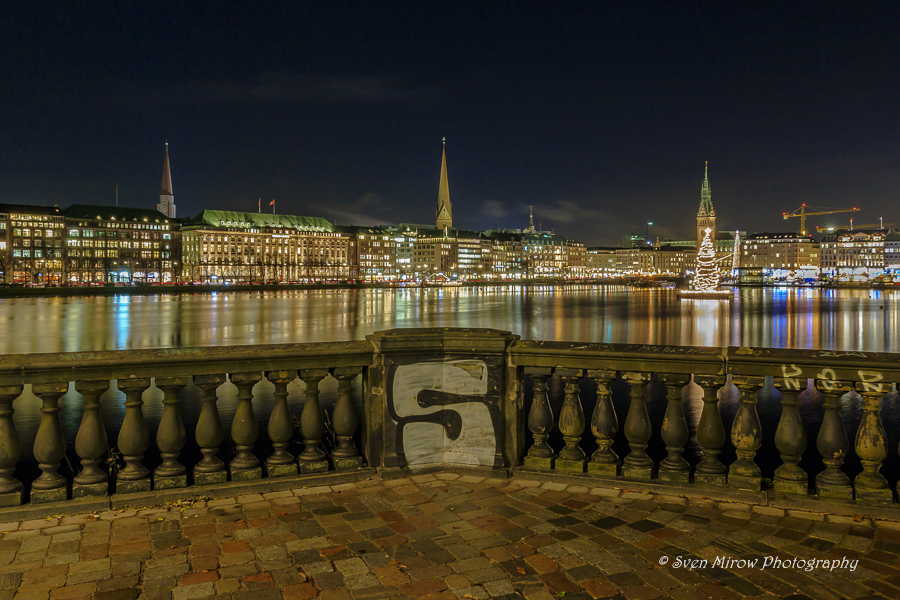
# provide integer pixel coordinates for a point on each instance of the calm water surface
(861, 320)
(865, 320)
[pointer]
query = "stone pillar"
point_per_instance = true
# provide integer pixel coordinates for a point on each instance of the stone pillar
(832, 443)
(540, 422)
(281, 427)
(91, 442)
(710, 433)
(675, 432)
(746, 435)
(170, 436)
(312, 424)
(245, 429)
(637, 465)
(572, 458)
(209, 433)
(790, 440)
(134, 438)
(346, 422)
(871, 447)
(604, 426)
(49, 445)
(10, 448)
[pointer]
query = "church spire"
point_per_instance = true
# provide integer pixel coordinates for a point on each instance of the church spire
(444, 209)
(530, 218)
(706, 205)
(166, 197)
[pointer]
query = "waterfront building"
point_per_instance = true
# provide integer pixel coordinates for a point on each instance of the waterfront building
(376, 253)
(781, 255)
(601, 261)
(892, 253)
(546, 255)
(853, 255)
(228, 246)
(655, 260)
(31, 244)
(444, 212)
(577, 259)
(113, 244)
(404, 239)
(507, 254)
(166, 198)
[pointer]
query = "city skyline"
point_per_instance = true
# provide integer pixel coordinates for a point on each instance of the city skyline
(600, 118)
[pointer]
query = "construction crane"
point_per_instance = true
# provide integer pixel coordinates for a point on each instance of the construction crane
(816, 210)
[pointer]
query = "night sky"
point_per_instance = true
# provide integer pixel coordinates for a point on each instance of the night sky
(599, 114)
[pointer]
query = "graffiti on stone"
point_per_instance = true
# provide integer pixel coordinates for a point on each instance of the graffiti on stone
(444, 412)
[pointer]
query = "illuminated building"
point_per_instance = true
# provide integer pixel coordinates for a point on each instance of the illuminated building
(120, 245)
(855, 254)
(545, 254)
(787, 252)
(577, 259)
(376, 253)
(655, 260)
(31, 244)
(601, 261)
(444, 212)
(706, 214)
(227, 246)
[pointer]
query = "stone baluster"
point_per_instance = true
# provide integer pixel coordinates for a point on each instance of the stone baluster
(49, 445)
(345, 456)
(790, 440)
(209, 433)
(832, 443)
(10, 448)
(245, 429)
(675, 432)
(170, 436)
(540, 422)
(572, 458)
(312, 424)
(746, 435)
(134, 438)
(281, 427)
(871, 446)
(604, 426)
(637, 465)
(91, 442)
(710, 433)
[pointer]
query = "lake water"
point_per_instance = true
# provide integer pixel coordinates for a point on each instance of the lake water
(813, 318)
(857, 319)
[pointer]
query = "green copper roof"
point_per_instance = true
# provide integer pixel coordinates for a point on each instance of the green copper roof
(244, 220)
(706, 205)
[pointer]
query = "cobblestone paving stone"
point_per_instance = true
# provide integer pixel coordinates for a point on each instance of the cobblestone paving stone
(447, 536)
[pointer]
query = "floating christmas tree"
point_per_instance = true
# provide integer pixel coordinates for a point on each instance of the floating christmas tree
(707, 277)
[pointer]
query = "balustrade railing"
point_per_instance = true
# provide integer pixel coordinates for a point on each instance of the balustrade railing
(433, 397)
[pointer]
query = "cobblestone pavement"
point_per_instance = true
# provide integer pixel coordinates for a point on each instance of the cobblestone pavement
(449, 536)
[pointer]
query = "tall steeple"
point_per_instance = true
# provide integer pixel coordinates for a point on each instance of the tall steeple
(706, 215)
(166, 198)
(444, 209)
(530, 218)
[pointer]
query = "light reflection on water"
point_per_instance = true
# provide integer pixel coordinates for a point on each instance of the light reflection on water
(861, 320)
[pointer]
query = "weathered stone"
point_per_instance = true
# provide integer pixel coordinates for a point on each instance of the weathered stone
(246, 474)
(537, 462)
(167, 483)
(320, 466)
(130, 487)
(344, 464)
(80, 490)
(201, 478)
(281, 470)
(53, 495)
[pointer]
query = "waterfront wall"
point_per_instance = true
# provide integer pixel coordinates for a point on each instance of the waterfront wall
(444, 397)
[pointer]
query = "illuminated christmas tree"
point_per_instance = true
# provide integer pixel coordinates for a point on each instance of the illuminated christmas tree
(706, 278)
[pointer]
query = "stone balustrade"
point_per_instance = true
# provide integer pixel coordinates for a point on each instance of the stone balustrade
(433, 397)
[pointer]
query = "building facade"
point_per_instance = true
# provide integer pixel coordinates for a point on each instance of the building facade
(444, 212)
(706, 215)
(166, 198)
(853, 255)
(790, 252)
(601, 261)
(106, 244)
(376, 253)
(32, 248)
(227, 246)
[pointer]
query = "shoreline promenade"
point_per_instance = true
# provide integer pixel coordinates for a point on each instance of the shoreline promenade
(450, 535)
